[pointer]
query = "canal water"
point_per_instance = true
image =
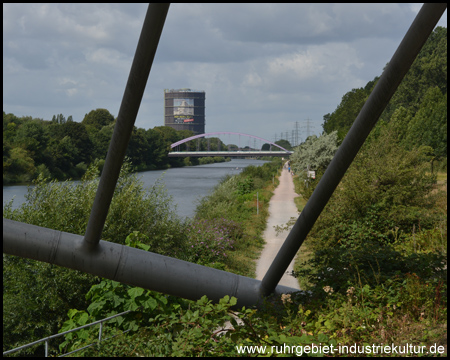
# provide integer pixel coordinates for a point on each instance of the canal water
(186, 185)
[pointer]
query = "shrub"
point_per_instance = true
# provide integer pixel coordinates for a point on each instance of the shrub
(209, 240)
(38, 295)
(66, 207)
(371, 264)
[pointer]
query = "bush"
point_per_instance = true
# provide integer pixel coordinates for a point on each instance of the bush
(386, 187)
(66, 207)
(37, 295)
(210, 240)
(370, 264)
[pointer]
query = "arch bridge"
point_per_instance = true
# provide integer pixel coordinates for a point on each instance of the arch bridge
(280, 151)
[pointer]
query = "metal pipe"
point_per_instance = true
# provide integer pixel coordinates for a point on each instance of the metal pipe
(130, 266)
(397, 68)
(137, 80)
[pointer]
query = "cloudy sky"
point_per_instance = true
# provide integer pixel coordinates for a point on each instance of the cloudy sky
(263, 67)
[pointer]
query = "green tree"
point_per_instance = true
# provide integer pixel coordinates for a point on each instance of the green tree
(19, 166)
(98, 118)
(345, 114)
(157, 150)
(100, 141)
(64, 154)
(59, 119)
(428, 71)
(80, 139)
(32, 137)
(283, 143)
(137, 147)
(170, 136)
(429, 125)
(9, 130)
(315, 153)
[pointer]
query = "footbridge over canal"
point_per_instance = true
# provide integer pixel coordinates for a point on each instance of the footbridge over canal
(239, 152)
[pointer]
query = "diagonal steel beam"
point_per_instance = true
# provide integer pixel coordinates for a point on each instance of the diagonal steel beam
(137, 80)
(391, 78)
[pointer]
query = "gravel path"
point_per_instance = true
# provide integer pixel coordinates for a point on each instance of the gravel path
(281, 209)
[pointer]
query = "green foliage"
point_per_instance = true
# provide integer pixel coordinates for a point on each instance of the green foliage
(283, 143)
(226, 201)
(385, 187)
(246, 186)
(209, 241)
(315, 153)
(19, 166)
(36, 298)
(107, 299)
(357, 314)
(212, 160)
(61, 145)
(98, 118)
(370, 263)
(345, 114)
(428, 71)
(429, 125)
(37, 295)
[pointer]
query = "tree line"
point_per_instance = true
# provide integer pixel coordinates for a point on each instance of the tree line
(418, 109)
(63, 148)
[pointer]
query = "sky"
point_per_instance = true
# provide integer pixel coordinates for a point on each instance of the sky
(266, 69)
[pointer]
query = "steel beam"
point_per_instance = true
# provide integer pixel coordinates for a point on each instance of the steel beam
(137, 80)
(391, 78)
(130, 266)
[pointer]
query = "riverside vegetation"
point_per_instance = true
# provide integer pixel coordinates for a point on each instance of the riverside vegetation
(63, 148)
(374, 265)
(37, 296)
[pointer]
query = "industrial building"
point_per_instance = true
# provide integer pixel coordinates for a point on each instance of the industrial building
(184, 109)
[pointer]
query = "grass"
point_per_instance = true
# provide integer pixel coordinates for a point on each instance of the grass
(442, 176)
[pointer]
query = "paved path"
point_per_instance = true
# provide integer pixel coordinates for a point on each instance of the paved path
(281, 209)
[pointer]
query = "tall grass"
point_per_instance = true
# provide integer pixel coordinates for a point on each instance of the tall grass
(235, 199)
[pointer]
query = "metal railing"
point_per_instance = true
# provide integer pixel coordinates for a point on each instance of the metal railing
(48, 338)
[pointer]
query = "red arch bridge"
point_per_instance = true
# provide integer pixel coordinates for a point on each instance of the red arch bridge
(240, 152)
